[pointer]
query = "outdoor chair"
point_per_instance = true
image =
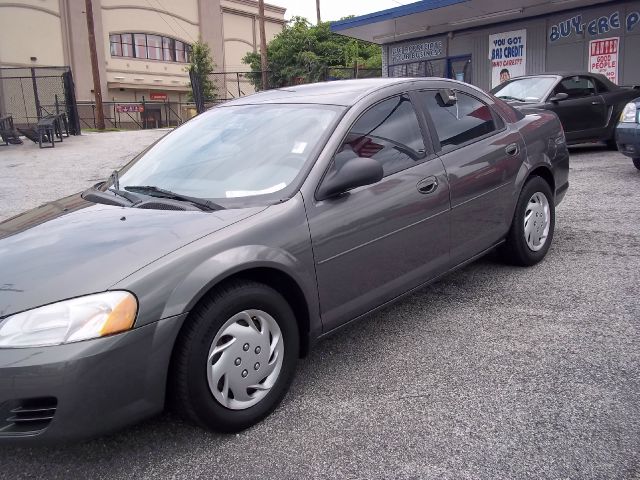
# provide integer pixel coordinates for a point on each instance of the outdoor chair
(39, 136)
(8, 134)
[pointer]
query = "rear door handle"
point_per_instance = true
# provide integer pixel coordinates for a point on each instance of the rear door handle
(427, 185)
(512, 149)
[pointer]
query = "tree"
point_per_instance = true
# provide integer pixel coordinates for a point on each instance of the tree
(201, 63)
(304, 53)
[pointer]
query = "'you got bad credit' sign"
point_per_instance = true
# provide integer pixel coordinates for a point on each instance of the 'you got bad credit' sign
(508, 55)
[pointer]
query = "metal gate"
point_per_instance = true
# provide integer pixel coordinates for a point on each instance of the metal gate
(28, 94)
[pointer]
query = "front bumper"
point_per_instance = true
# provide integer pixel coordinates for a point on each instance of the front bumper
(84, 389)
(628, 139)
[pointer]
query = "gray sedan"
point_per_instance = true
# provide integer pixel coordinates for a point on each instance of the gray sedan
(198, 274)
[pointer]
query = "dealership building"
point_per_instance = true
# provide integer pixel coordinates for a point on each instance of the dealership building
(484, 42)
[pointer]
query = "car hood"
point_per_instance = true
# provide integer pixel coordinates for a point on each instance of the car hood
(73, 247)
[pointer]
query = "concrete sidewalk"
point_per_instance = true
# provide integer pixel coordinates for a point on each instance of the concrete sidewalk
(30, 176)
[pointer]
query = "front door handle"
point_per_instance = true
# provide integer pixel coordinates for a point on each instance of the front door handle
(512, 149)
(427, 185)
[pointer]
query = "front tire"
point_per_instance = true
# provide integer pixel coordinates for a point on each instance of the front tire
(235, 357)
(636, 163)
(533, 224)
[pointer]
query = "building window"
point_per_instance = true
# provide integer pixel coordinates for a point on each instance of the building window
(149, 47)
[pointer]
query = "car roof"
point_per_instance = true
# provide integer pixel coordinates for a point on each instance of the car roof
(572, 73)
(337, 92)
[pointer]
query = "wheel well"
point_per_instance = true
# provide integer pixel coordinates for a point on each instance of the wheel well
(285, 286)
(546, 175)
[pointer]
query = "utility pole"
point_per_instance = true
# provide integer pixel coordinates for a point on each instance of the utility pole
(97, 89)
(263, 46)
(318, 11)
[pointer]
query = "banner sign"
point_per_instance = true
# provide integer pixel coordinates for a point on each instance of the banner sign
(129, 108)
(603, 57)
(508, 55)
(598, 26)
(416, 51)
(158, 96)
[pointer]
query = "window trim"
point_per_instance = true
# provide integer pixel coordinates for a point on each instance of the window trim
(172, 42)
(437, 146)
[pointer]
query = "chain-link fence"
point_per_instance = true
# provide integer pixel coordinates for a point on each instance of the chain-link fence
(28, 94)
(138, 115)
(157, 114)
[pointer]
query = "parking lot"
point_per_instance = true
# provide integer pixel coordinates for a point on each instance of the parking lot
(492, 372)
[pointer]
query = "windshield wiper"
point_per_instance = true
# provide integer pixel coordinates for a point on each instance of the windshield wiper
(154, 191)
(509, 97)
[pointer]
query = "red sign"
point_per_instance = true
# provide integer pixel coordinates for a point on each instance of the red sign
(159, 96)
(603, 57)
(129, 108)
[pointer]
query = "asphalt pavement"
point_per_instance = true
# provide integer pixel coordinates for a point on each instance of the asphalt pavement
(493, 372)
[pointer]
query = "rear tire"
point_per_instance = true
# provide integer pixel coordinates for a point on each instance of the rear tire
(533, 224)
(254, 331)
(636, 163)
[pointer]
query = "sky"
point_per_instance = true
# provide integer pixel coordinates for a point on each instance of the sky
(334, 9)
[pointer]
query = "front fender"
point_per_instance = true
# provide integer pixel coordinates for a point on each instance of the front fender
(175, 282)
(230, 262)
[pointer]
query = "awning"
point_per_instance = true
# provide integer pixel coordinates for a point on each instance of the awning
(434, 17)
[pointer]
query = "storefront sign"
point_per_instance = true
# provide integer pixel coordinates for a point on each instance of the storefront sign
(508, 55)
(158, 96)
(129, 108)
(598, 26)
(603, 57)
(416, 51)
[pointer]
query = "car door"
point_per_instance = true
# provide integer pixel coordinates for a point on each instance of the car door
(375, 242)
(482, 156)
(583, 112)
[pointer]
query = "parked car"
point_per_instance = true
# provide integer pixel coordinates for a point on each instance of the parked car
(209, 264)
(628, 132)
(588, 104)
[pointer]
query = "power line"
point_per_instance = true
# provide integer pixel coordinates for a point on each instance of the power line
(176, 21)
(165, 21)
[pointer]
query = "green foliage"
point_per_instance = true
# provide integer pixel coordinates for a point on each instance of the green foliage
(304, 53)
(202, 64)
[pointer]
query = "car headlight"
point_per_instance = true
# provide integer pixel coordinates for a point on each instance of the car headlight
(630, 113)
(69, 321)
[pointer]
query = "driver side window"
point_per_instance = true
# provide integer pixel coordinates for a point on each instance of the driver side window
(576, 87)
(388, 132)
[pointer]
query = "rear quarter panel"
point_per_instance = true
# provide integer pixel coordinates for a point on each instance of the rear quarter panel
(546, 147)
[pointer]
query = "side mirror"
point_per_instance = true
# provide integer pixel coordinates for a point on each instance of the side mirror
(356, 172)
(446, 97)
(559, 96)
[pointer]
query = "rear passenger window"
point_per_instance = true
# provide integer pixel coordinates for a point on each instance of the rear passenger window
(456, 124)
(388, 132)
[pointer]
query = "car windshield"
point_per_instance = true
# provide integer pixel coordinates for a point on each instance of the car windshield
(235, 151)
(530, 89)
